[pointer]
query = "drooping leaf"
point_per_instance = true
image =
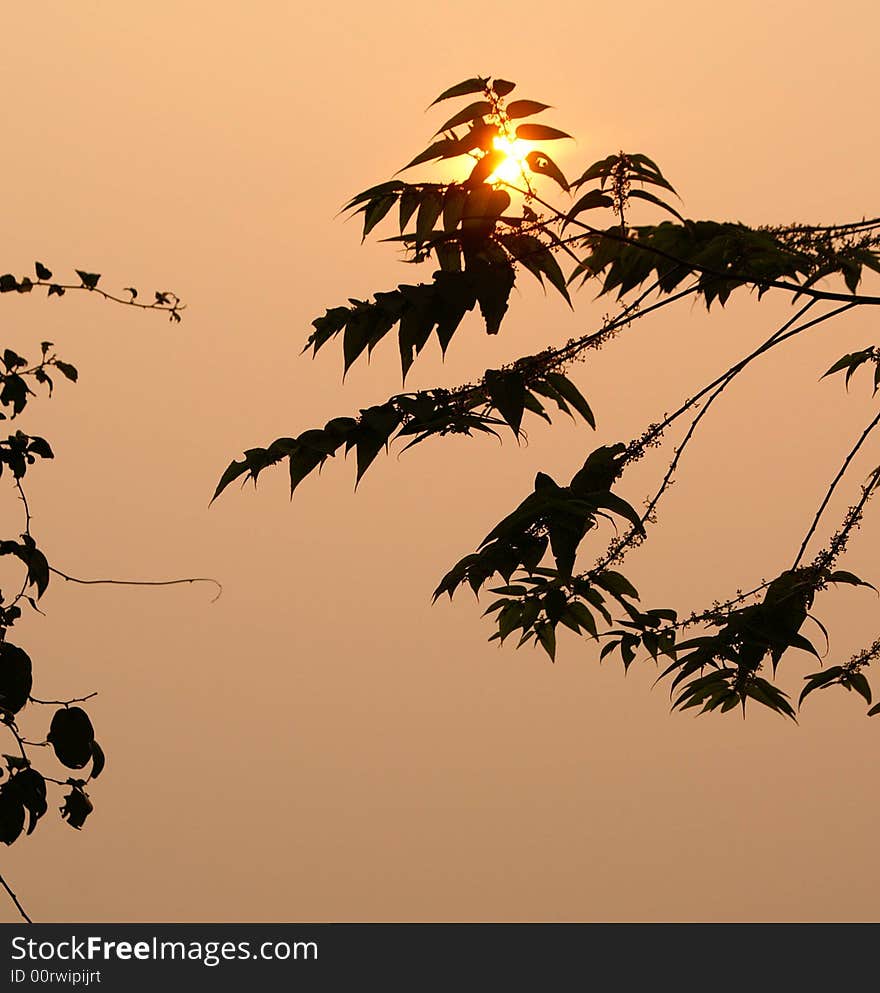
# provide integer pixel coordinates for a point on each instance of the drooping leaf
(453, 206)
(77, 808)
(429, 211)
(645, 195)
(98, 760)
(571, 394)
(375, 211)
(842, 576)
(373, 434)
(232, 472)
(493, 282)
(409, 203)
(30, 788)
(541, 163)
(616, 583)
(507, 392)
(547, 637)
(67, 370)
(858, 681)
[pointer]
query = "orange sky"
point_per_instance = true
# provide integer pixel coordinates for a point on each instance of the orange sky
(321, 743)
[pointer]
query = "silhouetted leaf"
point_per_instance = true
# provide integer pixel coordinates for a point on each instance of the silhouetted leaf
(67, 370)
(11, 814)
(524, 108)
(429, 211)
(539, 132)
(233, 471)
(16, 677)
(77, 808)
(30, 788)
(571, 394)
(474, 85)
(858, 682)
(611, 501)
(373, 433)
(484, 168)
(841, 576)
(616, 583)
(507, 392)
(541, 163)
(547, 638)
(98, 760)
(375, 211)
(493, 283)
(445, 148)
(453, 206)
(409, 203)
(42, 272)
(89, 279)
(473, 111)
(71, 735)
(502, 87)
(644, 195)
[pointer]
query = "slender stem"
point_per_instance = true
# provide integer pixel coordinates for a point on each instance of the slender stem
(138, 582)
(783, 334)
(63, 703)
(718, 385)
(832, 488)
(170, 307)
(15, 900)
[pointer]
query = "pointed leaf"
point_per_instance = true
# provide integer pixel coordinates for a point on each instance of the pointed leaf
(569, 392)
(541, 163)
(474, 85)
(644, 195)
(539, 132)
(474, 111)
(524, 108)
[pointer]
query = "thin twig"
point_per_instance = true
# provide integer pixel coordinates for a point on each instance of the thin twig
(718, 385)
(15, 900)
(832, 488)
(168, 308)
(139, 582)
(62, 703)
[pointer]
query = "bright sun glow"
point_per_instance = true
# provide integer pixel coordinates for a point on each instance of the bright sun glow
(512, 168)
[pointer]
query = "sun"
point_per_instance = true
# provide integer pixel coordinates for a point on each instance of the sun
(514, 164)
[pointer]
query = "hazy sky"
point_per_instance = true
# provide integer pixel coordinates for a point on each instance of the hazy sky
(321, 743)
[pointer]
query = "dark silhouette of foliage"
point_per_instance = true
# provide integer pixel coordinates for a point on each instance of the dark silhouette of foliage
(70, 735)
(481, 233)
